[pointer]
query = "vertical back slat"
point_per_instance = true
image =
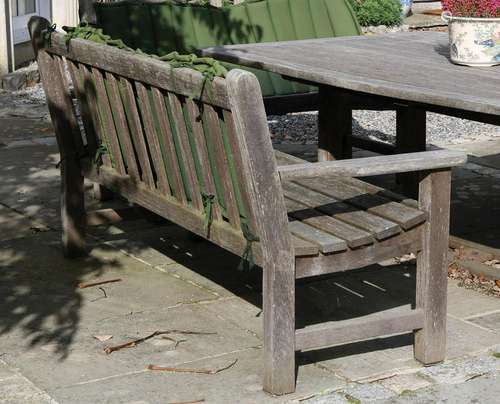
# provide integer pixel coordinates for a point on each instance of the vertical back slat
(154, 144)
(83, 101)
(188, 159)
(242, 181)
(91, 93)
(222, 165)
(122, 126)
(201, 148)
(136, 132)
(108, 122)
(166, 133)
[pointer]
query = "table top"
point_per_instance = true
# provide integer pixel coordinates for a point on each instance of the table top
(410, 66)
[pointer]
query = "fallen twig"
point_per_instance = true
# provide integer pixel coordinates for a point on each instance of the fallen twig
(192, 370)
(136, 342)
(190, 402)
(89, 285)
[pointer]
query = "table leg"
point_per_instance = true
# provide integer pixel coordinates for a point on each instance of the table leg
(334, 124)
(410, 138)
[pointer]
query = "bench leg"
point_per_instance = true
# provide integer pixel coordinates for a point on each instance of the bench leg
(279, 329)
(432, 267)
(72, 210)
(334, 125)
(410, 138)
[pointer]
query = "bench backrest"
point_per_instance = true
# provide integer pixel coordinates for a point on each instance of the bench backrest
(160, 28)
(176, 143)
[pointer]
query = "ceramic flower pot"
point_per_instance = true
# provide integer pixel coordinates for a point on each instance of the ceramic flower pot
(474, 41)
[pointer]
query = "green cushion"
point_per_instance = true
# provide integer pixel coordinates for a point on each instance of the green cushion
(163, 27)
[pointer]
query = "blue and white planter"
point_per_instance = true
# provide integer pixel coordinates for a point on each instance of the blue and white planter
(474, 41)
(406, 7)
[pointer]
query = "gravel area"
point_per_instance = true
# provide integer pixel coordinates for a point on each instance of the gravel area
(298, 128)
(301, 128)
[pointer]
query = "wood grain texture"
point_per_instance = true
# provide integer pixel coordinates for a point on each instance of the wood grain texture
(432, 267)
(66, 128)
(187, 82)
(366, 327)
(121, 125)
(368, 166)
(137, 133)
(404, 243)
(334, 124)
(108, 124)
(379, 227)
(381, 65)
(267, 201)
(152, 137)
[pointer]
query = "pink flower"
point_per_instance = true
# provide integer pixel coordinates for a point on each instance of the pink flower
(473, 8)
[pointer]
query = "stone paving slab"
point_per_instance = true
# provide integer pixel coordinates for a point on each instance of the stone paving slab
(15, 388)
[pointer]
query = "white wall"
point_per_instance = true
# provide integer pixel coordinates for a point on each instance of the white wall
(5, 50)
(64, 12)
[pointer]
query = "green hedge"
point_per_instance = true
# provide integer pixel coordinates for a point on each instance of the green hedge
(377, 12)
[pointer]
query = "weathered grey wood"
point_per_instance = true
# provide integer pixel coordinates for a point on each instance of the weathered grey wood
(360, 328)
(202, 151)
(122, 126)
(169, 143)
(410, 138)
(106, 115)
(334, 124)
(137, 133)
(406, 242)
(152, 138)
(368, 166)
(222, 165)
(221, 232)
(91, 93)
(350, 63)
(83, 102)
(432, 267)
(187, 155)
(269, 209)
(66, 128)
(406, 216)
(379, 227)
(187, 82)
(302, 247)
(327, 243)
(354, 236)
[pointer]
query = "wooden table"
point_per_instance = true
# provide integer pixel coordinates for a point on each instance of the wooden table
(408, 72)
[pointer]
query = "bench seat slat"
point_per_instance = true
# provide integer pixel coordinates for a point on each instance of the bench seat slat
(407, 217)
(379, 227)
(326, 242)
(352, 235)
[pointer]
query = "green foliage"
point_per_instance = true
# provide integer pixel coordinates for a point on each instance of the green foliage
(496, 355)
(377, 12)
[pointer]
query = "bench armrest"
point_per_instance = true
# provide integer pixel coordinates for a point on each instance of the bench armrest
(368, 166)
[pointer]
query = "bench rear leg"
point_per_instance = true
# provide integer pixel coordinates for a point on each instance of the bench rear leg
(279, 328)
(73, 214)
(432, 267)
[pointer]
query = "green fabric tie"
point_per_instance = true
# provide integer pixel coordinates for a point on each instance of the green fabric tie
(247, 259)
(208, 203)
(101, 150)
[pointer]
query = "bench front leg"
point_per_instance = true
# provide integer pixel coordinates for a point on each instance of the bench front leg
(278, 302)
(432, 266)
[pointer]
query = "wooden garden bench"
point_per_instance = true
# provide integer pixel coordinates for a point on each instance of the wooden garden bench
(177, 152)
